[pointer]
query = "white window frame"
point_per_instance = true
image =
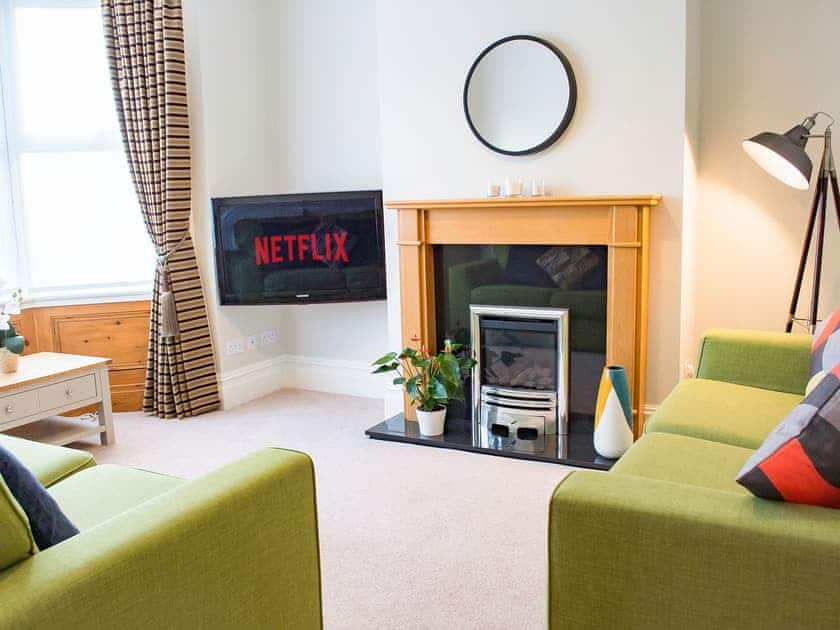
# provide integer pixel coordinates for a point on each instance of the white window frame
(10, 154)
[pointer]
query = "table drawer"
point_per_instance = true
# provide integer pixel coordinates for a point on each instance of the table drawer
(66, 392)
(16, 406)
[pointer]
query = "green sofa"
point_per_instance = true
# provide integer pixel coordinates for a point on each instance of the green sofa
(236, 548)
(668, 539)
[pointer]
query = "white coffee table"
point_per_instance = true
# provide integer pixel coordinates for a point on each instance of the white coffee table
(47, 384)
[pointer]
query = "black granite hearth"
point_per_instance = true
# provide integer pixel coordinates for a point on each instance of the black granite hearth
(574, 449)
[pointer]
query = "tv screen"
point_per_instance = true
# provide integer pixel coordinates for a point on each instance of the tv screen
(307, 248)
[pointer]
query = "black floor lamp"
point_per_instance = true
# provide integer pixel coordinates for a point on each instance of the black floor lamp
(784, 157)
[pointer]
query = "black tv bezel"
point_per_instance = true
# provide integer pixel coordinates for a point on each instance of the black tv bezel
(219, 203)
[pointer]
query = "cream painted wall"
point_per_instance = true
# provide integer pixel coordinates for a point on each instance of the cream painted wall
(325, 134)
(283, 98)
(766, 65)
(626, 137)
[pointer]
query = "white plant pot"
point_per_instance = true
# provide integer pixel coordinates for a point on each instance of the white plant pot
(431, 422)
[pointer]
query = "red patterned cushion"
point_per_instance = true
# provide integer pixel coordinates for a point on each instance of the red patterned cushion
(799, 461)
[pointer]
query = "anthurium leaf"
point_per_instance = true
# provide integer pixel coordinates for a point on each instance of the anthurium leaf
(386, 358)
(449, 367)
(384, 368)
(398, 381)
(420, 362)
(411, 387)
(438, 389)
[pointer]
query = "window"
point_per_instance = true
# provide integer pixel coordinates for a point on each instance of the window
(72, 226)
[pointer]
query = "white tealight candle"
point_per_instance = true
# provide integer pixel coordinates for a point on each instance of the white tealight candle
(513, 188)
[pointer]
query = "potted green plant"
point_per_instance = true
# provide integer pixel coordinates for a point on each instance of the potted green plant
(11, 343)
(430, 381)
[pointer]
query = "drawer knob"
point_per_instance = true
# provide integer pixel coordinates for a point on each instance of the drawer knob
(10, 408)
(69, 392)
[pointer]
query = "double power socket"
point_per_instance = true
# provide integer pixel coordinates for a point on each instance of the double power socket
(240, 344)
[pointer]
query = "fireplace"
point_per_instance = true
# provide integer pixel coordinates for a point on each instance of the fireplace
(607, 323)
(520, 380)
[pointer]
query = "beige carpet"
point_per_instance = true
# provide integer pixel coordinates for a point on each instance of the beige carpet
(411, 537)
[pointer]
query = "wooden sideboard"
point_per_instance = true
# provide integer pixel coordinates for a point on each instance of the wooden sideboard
(118, 330)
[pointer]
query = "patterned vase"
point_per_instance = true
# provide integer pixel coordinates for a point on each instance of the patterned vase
(613, 414)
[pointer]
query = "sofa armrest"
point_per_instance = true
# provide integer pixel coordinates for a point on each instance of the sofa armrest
(237, 548)
(768, 360)
(631, 552)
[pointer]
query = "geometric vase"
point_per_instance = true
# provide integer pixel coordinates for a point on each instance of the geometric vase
(613, 414)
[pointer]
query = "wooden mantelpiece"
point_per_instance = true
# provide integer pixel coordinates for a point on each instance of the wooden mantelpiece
(622, 223)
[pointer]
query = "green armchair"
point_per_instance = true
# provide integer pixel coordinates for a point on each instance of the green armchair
(668, 539)
(236, 548)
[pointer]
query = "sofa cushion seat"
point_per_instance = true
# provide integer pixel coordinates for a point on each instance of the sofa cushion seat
(48, 463)
(686, 460)
(95, 495)
(722, 412)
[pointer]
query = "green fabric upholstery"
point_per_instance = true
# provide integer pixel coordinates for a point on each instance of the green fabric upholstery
(92, 496)
(686, 460)
(511, 295)
(768, 360)
(461, 279)
(591, 305)
(629, 552)
(237, 548)
(721, 412)
(16, 541)
(668, 539)
(48, 463)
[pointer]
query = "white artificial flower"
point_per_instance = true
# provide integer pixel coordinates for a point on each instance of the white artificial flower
(4, 322)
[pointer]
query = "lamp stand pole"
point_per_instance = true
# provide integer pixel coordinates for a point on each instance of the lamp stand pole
(826, 181)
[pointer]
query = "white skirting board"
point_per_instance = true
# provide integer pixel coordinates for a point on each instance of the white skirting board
(290, 371)
(336, 376)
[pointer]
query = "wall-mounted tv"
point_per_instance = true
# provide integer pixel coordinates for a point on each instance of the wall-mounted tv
(300, 249)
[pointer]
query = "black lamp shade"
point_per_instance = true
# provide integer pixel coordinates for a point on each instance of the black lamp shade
(783, 156)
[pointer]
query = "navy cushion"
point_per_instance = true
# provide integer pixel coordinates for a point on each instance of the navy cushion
(48, 523)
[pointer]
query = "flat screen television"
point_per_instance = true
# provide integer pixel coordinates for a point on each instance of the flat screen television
(295, 249)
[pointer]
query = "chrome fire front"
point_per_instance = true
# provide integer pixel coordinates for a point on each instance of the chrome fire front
(521, 378)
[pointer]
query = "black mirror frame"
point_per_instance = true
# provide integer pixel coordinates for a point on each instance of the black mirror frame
(570, 109)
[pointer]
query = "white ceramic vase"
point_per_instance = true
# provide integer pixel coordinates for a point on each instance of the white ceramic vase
(431, 422)
(613, 415)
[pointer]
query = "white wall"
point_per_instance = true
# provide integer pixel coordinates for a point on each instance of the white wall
(326, 137)
(321, 95)
(766, 65)
(626, 136)
(283, 98)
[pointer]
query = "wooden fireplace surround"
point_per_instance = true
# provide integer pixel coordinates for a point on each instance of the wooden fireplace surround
(622, 223)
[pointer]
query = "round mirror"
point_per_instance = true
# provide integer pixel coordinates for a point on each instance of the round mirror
(520, 95)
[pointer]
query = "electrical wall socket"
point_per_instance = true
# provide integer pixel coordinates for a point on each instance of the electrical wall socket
(268, 336)
(234, 346)
(251, 342)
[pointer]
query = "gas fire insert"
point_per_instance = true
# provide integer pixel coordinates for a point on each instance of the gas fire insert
(521, 377)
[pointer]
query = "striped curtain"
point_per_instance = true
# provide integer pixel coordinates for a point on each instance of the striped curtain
(145, 43)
